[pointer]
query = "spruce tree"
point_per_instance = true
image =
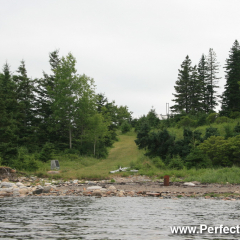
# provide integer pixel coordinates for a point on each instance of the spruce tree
(195, 92)
(212, 79)
(203, 78)
(25, 111)
(231, 94)
(8, 126)
(182, 88)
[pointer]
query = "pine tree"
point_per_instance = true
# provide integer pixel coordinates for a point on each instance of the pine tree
(212, 80)
(182, 88)
(203, 78)
(231, 95)
(46, 123)
(195, 93)
(25, 112)
(8, 126)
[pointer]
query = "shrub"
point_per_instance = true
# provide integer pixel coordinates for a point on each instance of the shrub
(201, 120)
(157, 161)
(187, 122)
(125, 127)
(237, 129)
(212, 117)
(197, 159)
(228, 132)
(176, 163)
(234, 115)
(211, 132)
(46, 152)
(159, 144)
(218, 150)
(222, 119)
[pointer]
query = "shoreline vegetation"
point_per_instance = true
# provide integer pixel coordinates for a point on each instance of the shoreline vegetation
(77, 179)
(61, 117)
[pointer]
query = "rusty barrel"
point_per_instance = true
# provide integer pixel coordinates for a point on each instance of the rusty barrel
(166, 180)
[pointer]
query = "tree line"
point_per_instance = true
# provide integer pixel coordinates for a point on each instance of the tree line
(59, 112)
(195, 101)
(196, 86)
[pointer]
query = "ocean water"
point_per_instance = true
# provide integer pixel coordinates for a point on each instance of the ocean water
(113, 217)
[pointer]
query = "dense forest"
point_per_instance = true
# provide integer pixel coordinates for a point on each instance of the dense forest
(208, 138)
(58, 113)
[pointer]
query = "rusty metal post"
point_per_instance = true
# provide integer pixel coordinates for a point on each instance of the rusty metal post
(166, 180)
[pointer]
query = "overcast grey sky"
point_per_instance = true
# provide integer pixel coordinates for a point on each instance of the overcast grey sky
(132, 48)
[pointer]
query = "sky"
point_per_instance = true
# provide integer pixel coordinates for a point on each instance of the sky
(131, 48)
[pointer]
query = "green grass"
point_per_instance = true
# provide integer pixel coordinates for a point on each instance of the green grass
(125, 153)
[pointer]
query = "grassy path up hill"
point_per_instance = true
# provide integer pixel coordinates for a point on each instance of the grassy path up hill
(122, 154)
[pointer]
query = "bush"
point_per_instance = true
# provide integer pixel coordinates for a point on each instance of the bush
(234, 115)
(197, 159)
(176, 163)
(125, 127)
(201, 120)
(159, 144)
(212, 117)
(187, 122)
(157, 161)
(222, 119)
(237, 129)
(46, 152)
(218, 150)
(211, 132)
(228, 132)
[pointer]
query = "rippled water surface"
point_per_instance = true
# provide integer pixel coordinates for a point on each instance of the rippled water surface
(112, 217)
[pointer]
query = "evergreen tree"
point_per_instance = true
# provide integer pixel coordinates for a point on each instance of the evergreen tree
(182, 88)
(25, 112)
(203, 78)
(231, 94)
(195, 93)
(8, 110)
(212, 79)
(45, 121)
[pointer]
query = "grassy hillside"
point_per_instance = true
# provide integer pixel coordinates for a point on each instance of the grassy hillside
(123, 153)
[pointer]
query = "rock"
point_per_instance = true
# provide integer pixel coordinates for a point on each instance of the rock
(6, 194)
(23, 191)
(154, 194)
(16, 192)
(190, 184)
(38, 191)
(46, 189)
(97, 192)
(121, 193)
(7, 185)
(112, 188)
(19, 184)
(91, 182)
(53, 172)
(94, 188)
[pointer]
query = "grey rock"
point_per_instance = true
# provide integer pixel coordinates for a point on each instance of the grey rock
(46, 189)
(7, 185)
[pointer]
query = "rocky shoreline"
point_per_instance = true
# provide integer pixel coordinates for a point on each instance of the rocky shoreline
(136, 186)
